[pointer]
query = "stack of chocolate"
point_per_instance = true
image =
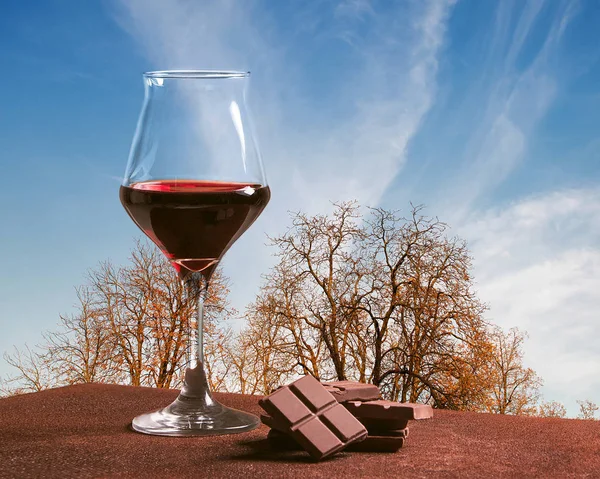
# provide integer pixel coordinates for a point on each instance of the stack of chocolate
(324, 418)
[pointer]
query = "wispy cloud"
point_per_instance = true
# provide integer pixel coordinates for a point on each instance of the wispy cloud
(515, 90)
(393, 93)
(390, 87)
(324, 155)
(354, 8)
(535, 228)
(537, 260)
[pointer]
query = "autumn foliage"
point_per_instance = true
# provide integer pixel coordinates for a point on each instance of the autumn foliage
(360, 294)
(130, 326)
(381, 299)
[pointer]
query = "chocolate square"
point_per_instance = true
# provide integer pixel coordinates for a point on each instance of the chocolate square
(312, 416)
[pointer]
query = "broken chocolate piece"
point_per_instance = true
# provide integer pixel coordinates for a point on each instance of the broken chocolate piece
(380, 430)
(389, 410)
(375, 425)
(352, 391)
(378, 444)
(390, 433)
(390, 443)
(312, 417)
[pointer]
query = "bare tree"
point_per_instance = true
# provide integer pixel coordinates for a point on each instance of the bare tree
(131, 326)
(318, 252)
(425, 321)
(382, 299)
(34, 371)
(81, 350)
(148, 311)
(516, 388)
(125, 307)
(587, 409)
(218, 336)
(552, 409)
(6, 389)
(375, 298)
(263, 355)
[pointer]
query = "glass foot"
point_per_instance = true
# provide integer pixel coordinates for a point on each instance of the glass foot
(195, 413)
(182, 418)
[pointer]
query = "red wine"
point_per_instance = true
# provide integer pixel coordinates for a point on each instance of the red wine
(194, 222)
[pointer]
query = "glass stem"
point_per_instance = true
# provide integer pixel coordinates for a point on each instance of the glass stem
(195, 386)
(197, 289)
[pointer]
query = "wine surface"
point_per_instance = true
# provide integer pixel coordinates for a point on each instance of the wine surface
(194, 222)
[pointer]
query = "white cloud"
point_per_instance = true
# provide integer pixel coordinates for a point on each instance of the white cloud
(534, 228)
(537, 264)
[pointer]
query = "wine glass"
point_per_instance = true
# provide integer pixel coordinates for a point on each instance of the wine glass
(194, 183)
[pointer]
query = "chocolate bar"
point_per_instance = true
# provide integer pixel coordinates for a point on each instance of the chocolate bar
(352, 391)
(378, 444)
(388, 442)
(269, 421)
(374, 426)
(345, 391)
(313, 418)
(381, 410)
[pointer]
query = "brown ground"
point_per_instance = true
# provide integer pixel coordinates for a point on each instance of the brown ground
(82, 431)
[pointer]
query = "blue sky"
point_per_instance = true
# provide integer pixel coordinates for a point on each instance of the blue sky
(487, 112)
